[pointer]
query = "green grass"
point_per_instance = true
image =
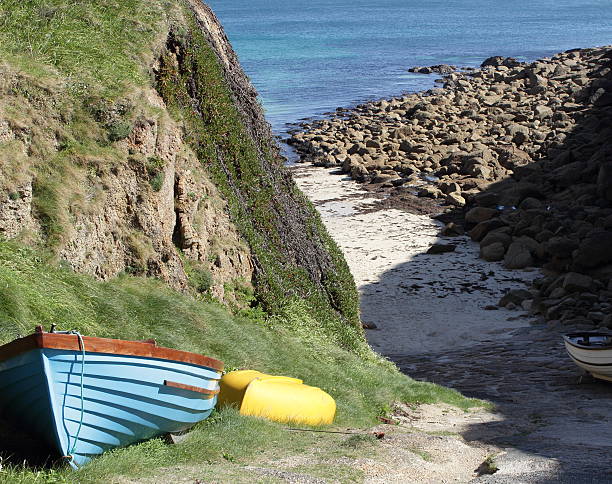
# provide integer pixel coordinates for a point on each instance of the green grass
(87, 41)
(32, 292)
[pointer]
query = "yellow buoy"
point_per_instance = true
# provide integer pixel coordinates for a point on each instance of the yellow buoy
(278, 398)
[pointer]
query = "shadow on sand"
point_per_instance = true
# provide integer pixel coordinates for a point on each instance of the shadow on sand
(557, 423)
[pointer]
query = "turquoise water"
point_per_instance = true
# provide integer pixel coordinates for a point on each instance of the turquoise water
(310, 56)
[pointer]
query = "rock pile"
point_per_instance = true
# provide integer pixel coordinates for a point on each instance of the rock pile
(523, 152)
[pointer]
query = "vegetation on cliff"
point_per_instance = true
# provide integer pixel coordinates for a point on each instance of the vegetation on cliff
(85, 130)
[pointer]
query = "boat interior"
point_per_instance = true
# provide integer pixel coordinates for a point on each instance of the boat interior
(590, 340)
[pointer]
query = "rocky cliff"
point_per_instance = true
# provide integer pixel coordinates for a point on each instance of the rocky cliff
(136, 143)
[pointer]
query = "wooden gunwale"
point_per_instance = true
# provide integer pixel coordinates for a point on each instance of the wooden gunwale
(93, 344)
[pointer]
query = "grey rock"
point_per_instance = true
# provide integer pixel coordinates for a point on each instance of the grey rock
(594, 251)
(493, 252)
(574, 282)
(518, 256)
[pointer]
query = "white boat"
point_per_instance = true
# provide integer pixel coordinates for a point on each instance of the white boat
(591, 351)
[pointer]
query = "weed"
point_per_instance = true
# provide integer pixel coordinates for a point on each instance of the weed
(359, 440)
(201, 279)
(423, 454)
(119, 130)
(488, 466)
(157, 182)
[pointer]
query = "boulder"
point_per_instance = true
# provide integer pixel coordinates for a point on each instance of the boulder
(561, 247)
(497, 236)
(498, 61)
(574, 282)
(493, 252)
(359, 172)
(604, 181)
(594, 251)
(480, 214)
(518, 256)
(429, 192)
(542, 112)
(483, 228)
(511, 158)
(455, 199)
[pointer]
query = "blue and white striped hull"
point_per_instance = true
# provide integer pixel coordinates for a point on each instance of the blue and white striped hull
(125, 398)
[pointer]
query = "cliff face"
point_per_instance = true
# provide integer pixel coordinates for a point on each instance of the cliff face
(128, 207)
(158, 162)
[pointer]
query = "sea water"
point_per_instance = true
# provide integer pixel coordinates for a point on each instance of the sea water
(307, 57)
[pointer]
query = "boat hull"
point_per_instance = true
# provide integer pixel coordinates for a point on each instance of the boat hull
(125, 399)
(595, 359)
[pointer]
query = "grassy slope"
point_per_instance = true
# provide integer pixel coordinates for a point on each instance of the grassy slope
(98, 48)
(31, 292)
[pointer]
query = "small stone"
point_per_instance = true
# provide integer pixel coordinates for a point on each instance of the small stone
(368, 325)
(441, 248)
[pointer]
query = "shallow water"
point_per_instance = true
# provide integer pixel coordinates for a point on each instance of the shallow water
(310, 56)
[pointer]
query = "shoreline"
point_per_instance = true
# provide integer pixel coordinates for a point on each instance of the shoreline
(514, 154)
(436, 318)
(416, 300)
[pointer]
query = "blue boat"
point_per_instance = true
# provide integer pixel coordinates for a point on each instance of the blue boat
(86, 395)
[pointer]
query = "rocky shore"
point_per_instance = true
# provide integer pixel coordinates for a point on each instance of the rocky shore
(517, 155)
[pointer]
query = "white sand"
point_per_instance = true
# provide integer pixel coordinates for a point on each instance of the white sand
(419, 302)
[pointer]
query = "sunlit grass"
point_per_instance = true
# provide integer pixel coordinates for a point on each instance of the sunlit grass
(33, 292)
(85, 40)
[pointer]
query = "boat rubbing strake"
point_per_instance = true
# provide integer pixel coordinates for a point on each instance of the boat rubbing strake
(85, 395)
(591, 351)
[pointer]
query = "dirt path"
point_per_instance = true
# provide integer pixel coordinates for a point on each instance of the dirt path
(434, 319)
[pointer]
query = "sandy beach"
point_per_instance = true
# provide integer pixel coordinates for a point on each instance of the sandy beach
(436, 318)
(416, 300)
